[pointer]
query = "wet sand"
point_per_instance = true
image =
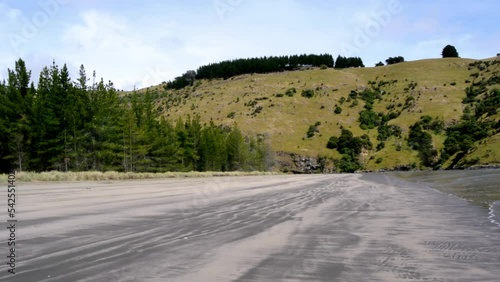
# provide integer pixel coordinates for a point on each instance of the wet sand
(265, 228)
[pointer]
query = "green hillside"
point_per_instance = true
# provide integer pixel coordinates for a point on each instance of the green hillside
(259, 104)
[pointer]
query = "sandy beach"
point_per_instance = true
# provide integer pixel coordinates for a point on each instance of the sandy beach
(259, 228)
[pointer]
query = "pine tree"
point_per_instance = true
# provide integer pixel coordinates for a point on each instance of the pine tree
(136, 145)
(193, 127)
(165, 148)
(69, 117)
(105, 130)
(213, 153)
(237, 152)
(79, 116)
(5, 113)
(44, 123)
(139, 125)
(187, 152)
(18, 100)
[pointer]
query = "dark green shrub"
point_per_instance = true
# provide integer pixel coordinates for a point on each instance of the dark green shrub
(290, 92)
(309, 93)
(313, 129)
(332, 142)
(380, 146)
(354, 103)
(409, 102)
(257, 110)
(250, 103)
(437, 126)
(348, 164)
(395, 60)
(393, 115)
(368, 119)
(365, 142)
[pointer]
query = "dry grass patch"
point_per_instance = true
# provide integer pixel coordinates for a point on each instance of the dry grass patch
(114, 175)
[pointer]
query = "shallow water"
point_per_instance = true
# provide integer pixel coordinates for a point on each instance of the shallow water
(481, 187)
(494, 214)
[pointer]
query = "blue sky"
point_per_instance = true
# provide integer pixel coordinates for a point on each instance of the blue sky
(142, 43)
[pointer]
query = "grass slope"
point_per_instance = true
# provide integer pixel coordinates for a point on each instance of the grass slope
(438, 92)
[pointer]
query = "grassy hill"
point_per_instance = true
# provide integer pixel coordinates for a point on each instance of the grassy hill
(259, 104)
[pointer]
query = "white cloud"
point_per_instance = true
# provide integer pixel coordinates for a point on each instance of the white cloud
(116, 50)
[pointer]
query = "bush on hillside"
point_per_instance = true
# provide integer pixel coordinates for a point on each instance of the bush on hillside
(394, 60)
(309, 93)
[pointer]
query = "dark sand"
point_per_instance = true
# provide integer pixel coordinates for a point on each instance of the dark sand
(272, 228)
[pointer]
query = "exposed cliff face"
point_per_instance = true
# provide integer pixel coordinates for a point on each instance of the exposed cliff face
(299, 164)
(295, 163)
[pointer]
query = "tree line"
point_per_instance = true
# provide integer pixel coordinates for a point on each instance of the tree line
(230, 68)
(348, 62)
(70, 125)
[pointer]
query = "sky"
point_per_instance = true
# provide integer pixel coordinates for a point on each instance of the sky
(143, 43)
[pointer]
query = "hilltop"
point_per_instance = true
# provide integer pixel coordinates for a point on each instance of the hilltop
(298, 111)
